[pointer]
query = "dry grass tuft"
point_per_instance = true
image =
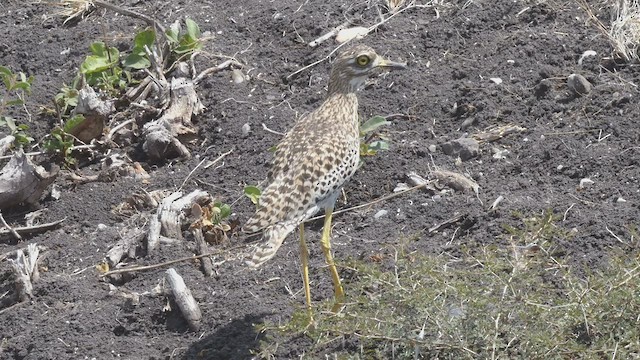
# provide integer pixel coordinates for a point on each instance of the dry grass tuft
(523, 301)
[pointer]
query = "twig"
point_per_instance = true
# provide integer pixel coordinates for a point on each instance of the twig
(328, 35)
(191, 173)
(218, 159)
(145, 18)
(446, 223)
(11, 230)
(316, 62)
(225, 65)
(12, 307)
(271, 131)
(170, 262)
(120, 126)
(384, 198)
(33, 229)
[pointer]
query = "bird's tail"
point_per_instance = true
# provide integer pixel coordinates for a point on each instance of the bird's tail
(273, 238)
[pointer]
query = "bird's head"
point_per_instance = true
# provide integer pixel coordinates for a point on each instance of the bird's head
(352, 67)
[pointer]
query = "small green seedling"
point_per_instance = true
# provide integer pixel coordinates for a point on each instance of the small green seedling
(16, 87)
(66, 99)
(60, 143)
(138, 59)
(253, 193)
(219, 212)
(368, 132)
(184, 43)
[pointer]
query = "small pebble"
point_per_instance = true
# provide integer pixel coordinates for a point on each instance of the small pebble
(585, 182)
(433, 148)
(579, 84)
(102, 227)
(246, 129)
(380, 214)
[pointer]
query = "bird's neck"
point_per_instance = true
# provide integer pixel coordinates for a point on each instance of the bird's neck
(343, 110)
(340, 83)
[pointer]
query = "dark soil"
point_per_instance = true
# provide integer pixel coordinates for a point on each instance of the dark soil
(452, 53)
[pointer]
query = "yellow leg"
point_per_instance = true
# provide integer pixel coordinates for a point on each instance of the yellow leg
(325, 242)
(304, 255)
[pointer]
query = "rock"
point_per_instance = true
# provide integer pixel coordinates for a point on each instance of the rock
(465, 148)
(246, 129)
(578, 84)
(380, 214)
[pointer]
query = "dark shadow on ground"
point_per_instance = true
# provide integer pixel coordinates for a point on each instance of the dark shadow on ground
(234, 340)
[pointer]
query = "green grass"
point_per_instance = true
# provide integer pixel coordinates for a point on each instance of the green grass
(514, 302)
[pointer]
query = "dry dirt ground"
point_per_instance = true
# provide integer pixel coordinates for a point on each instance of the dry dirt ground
(454, 50)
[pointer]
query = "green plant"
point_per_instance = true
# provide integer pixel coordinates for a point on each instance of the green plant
(219, 212)
(138, 58)
(253, 193)
(368, 132)
(184, 43)
(101, 69)
(67, 99)
(60, 144)
(16, 87)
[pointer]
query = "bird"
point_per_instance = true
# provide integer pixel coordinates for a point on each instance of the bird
(312, 163)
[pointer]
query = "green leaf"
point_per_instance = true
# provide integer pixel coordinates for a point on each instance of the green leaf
(101, 60)
(253, 193)
(172, 33)
(372, 124)
(193, 30)
(146, 37)
(98, 48)
(23, 139)
(379, 145)
(14, 102)
(10, 123)
(72, 123)
(4, 71)
(225, 211)
(136, 61)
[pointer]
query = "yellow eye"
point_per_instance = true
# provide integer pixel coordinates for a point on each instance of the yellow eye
(363, 60)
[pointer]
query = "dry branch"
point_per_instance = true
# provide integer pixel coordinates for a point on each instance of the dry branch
(30, 229)
(26, 271)
(163, 136)
(126, 246)
(203, 248)
(183, 298)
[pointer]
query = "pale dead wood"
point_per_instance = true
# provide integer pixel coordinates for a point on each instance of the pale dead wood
(168, 218)
(22, 182)
(183, 298)
(26, 271)
(455, 181)
(162, 136)
(126, 246)
(446, 223)
(228, 64)
(6, 143)
(96, 112)
(11, 230)
(329, 34)
(31, 229)
(202, 248)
